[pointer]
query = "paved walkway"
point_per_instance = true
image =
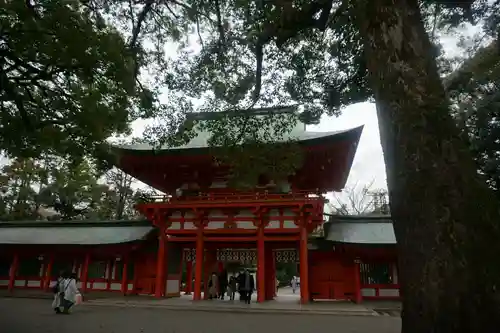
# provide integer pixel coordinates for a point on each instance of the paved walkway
(279, 305)
(285, 303)
(35, 316)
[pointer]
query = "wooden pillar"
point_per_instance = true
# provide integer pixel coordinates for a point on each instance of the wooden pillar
(395, 275)
(304, 267)
(124, 287)
(209, 267)
(270, 274)
(13, 271)
(136, 276)
(161, 265)
(48, 274)
(198, 272)
(110, 264)
(220, 266)
(261, 262)
(357, 282)
(273, 265)
(189, 277)
(85, 272)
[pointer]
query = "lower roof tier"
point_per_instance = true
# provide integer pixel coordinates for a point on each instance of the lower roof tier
(327, 162)
(360, 230)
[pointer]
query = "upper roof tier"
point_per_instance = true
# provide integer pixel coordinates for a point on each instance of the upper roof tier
(328, 156)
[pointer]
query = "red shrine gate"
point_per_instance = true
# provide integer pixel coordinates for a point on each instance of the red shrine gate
(209, 224)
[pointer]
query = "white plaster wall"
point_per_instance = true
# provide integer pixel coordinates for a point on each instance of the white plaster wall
(273, 225)
(388, 292)
(116, 286)
(215, 225)
(34, 283)
(99, 285)
(172, 286)
(245, 225)
(368, 292)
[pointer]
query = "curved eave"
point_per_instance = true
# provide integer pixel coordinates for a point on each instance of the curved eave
(361, 231)
(73, 233)
(308, 139)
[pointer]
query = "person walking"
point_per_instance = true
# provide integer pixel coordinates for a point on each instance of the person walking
(294, 284)
(248, 286)
(232, 287)
(213, 284)
(56, 303)
(67, 294)
(222, 284)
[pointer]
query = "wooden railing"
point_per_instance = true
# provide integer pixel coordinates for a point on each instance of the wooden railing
(233, 197)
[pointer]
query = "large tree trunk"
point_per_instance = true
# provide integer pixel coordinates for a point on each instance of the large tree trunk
(445, 218)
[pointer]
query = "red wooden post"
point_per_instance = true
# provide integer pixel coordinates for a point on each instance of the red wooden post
(109, 273)
(84, 274)
(220, 266)
(124, 287)
(13, 270)
(209, 267)
(160, 265)
(261, 262)
(48, 273)
(357, 282)
(189, 277)
(198, 266)
(273, 258)
(136, 277)
(304, 267)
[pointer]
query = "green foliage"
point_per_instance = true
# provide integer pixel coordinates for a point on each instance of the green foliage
(475, 91)
(67, 79)
(19, 197)
(73, 191)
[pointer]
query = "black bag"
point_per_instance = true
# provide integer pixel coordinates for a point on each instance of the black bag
(55, 289)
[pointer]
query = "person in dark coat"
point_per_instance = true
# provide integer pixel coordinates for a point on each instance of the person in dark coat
(222, 283)
(247, 286)
(232, 287)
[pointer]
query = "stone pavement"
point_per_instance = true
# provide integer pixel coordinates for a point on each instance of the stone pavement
(22, 315)
(285, 303)
(280, 305)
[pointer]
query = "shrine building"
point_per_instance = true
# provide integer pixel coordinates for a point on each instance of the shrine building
(201, 225)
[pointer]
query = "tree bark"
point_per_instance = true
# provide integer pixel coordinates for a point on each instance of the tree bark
(446, 220)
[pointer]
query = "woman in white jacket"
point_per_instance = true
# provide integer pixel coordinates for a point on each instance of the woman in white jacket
(66, 297)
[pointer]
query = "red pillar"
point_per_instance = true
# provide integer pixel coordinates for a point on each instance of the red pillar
(198, 266)
(357, 282)
(189, 277)
(273, 265)
(48, 274)
(270, 274)
(304, 267)
(109, 273)
(261, 262)
(13, 271)
(220, 266)
(84, 273)
(124, 287)
(161, 265)
(209, 267)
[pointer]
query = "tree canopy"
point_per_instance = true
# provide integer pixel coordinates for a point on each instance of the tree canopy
(321, 54)
(31, 188)
(67, 79)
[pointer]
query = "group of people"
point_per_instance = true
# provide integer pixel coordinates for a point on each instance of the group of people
(66, 293)
(243, 283)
